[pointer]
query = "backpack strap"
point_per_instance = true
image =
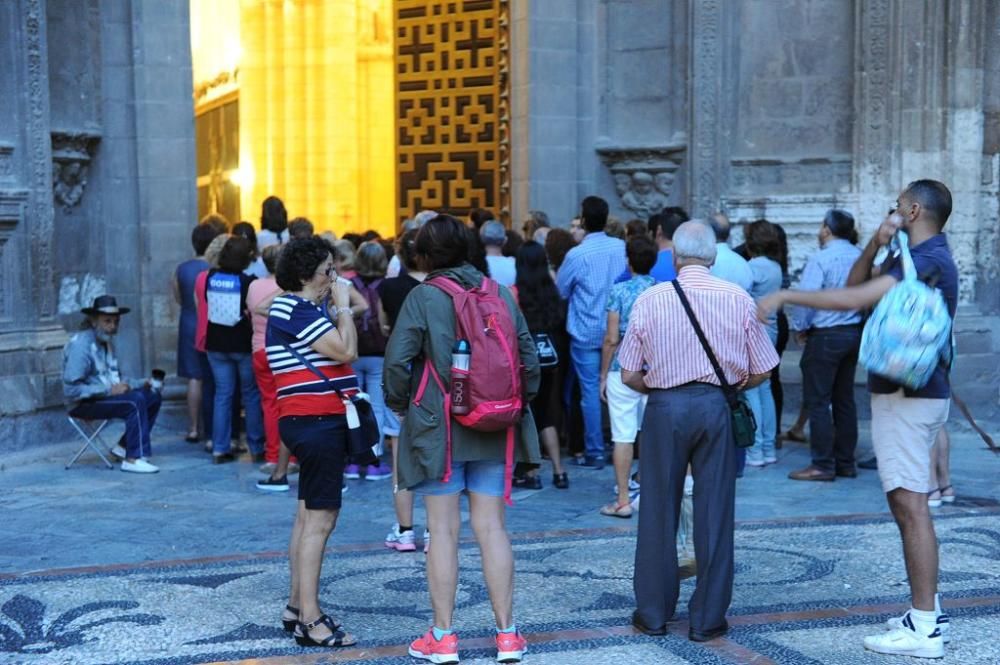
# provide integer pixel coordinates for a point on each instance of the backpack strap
(490, 287)
(446, 284)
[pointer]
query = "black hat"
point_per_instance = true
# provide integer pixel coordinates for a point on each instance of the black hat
(105, 305)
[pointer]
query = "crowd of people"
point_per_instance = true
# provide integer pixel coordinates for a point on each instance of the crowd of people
(653, 325)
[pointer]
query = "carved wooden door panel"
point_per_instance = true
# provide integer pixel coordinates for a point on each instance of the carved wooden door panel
(452, 94)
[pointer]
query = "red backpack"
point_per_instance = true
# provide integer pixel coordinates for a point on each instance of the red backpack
(493, 385)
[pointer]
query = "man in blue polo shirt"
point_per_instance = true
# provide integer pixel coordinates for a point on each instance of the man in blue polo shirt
(661, 227)
(905, 422)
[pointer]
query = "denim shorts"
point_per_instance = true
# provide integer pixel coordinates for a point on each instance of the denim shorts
(481, 477)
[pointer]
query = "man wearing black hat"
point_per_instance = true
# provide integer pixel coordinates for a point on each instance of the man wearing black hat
(92, 381)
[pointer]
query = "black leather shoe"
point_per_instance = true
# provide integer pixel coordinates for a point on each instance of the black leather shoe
(871, 464)
(705, 636)
(638, 624)
(223, 458)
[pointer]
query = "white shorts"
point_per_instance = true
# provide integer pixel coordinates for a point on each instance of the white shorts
(625, 408)
(903, 432)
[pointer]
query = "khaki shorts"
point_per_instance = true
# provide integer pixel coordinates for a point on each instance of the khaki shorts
(903, 433)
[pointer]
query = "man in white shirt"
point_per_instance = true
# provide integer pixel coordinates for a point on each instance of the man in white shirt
(729, 265)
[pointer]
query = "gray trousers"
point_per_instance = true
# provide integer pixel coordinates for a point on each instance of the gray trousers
(686, 425)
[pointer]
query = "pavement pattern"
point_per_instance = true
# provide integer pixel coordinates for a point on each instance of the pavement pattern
(188, 566)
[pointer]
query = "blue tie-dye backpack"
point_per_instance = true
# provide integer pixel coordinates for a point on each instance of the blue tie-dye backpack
(908, 334)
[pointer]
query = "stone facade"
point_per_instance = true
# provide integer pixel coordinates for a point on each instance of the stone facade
(96, 193)
(762, 108)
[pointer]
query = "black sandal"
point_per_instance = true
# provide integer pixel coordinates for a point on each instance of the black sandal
(333, 640)
(289, 624)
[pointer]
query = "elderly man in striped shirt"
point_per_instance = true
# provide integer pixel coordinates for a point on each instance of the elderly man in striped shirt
(688, 421)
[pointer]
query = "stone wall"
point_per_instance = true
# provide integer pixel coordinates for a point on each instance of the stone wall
(96, 188)
(766, 108)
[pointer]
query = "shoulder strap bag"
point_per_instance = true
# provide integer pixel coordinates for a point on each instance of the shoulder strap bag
(744, 423)
(363, 433)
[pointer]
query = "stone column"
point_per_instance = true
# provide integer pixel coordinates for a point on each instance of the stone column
(30, 337)
(705, 93)
(920, 113)
(145, 171)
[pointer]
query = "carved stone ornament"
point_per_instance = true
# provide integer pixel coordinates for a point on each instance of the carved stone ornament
(71, 155)
(643, 175)
(6, 161)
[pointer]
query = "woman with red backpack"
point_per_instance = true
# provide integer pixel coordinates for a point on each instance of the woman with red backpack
(443, 454)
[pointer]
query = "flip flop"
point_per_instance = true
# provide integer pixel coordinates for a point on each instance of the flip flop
(624, 510)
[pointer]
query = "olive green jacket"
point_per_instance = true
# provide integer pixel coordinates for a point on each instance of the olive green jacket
(426, 329)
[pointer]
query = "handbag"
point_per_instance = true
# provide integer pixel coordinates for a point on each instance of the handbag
(546, 350)
(744, 423)
(364, 436)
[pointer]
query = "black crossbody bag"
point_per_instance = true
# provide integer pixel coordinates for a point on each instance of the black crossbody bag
(744, 423)
(365, 435)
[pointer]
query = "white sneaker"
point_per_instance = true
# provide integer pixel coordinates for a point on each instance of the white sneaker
(943, 624)
(427, 541)
(401, 541)
(139, 466)
(770, 459)
(905, 641)
(118, 452)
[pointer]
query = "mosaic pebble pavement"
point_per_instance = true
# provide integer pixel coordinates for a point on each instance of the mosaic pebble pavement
(806, 592)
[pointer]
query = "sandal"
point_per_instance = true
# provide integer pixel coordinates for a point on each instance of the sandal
(794, 435)
(622, 510)
(947, 498)
(289, 624)
(336, 638)
(931, 501)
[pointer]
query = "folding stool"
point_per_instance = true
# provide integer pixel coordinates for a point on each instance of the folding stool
(91, 435)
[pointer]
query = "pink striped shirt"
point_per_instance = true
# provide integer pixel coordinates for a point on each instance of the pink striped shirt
(661, 339)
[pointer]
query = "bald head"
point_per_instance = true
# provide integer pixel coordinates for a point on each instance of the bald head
(694, 244)
(720, 225)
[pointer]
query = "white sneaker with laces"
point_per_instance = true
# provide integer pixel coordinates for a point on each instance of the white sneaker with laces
(139, 466)
(401, 541)
(906, 641)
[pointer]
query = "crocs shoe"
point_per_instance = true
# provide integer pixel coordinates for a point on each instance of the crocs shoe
(511, 647)
(440, 651)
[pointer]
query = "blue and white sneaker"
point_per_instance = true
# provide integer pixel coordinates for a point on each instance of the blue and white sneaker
(943, 624)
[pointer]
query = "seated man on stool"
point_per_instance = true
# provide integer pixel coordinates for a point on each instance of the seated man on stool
(92, 381)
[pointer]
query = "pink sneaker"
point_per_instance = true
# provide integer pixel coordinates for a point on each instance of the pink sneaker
(440, 651)
(511, 647)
